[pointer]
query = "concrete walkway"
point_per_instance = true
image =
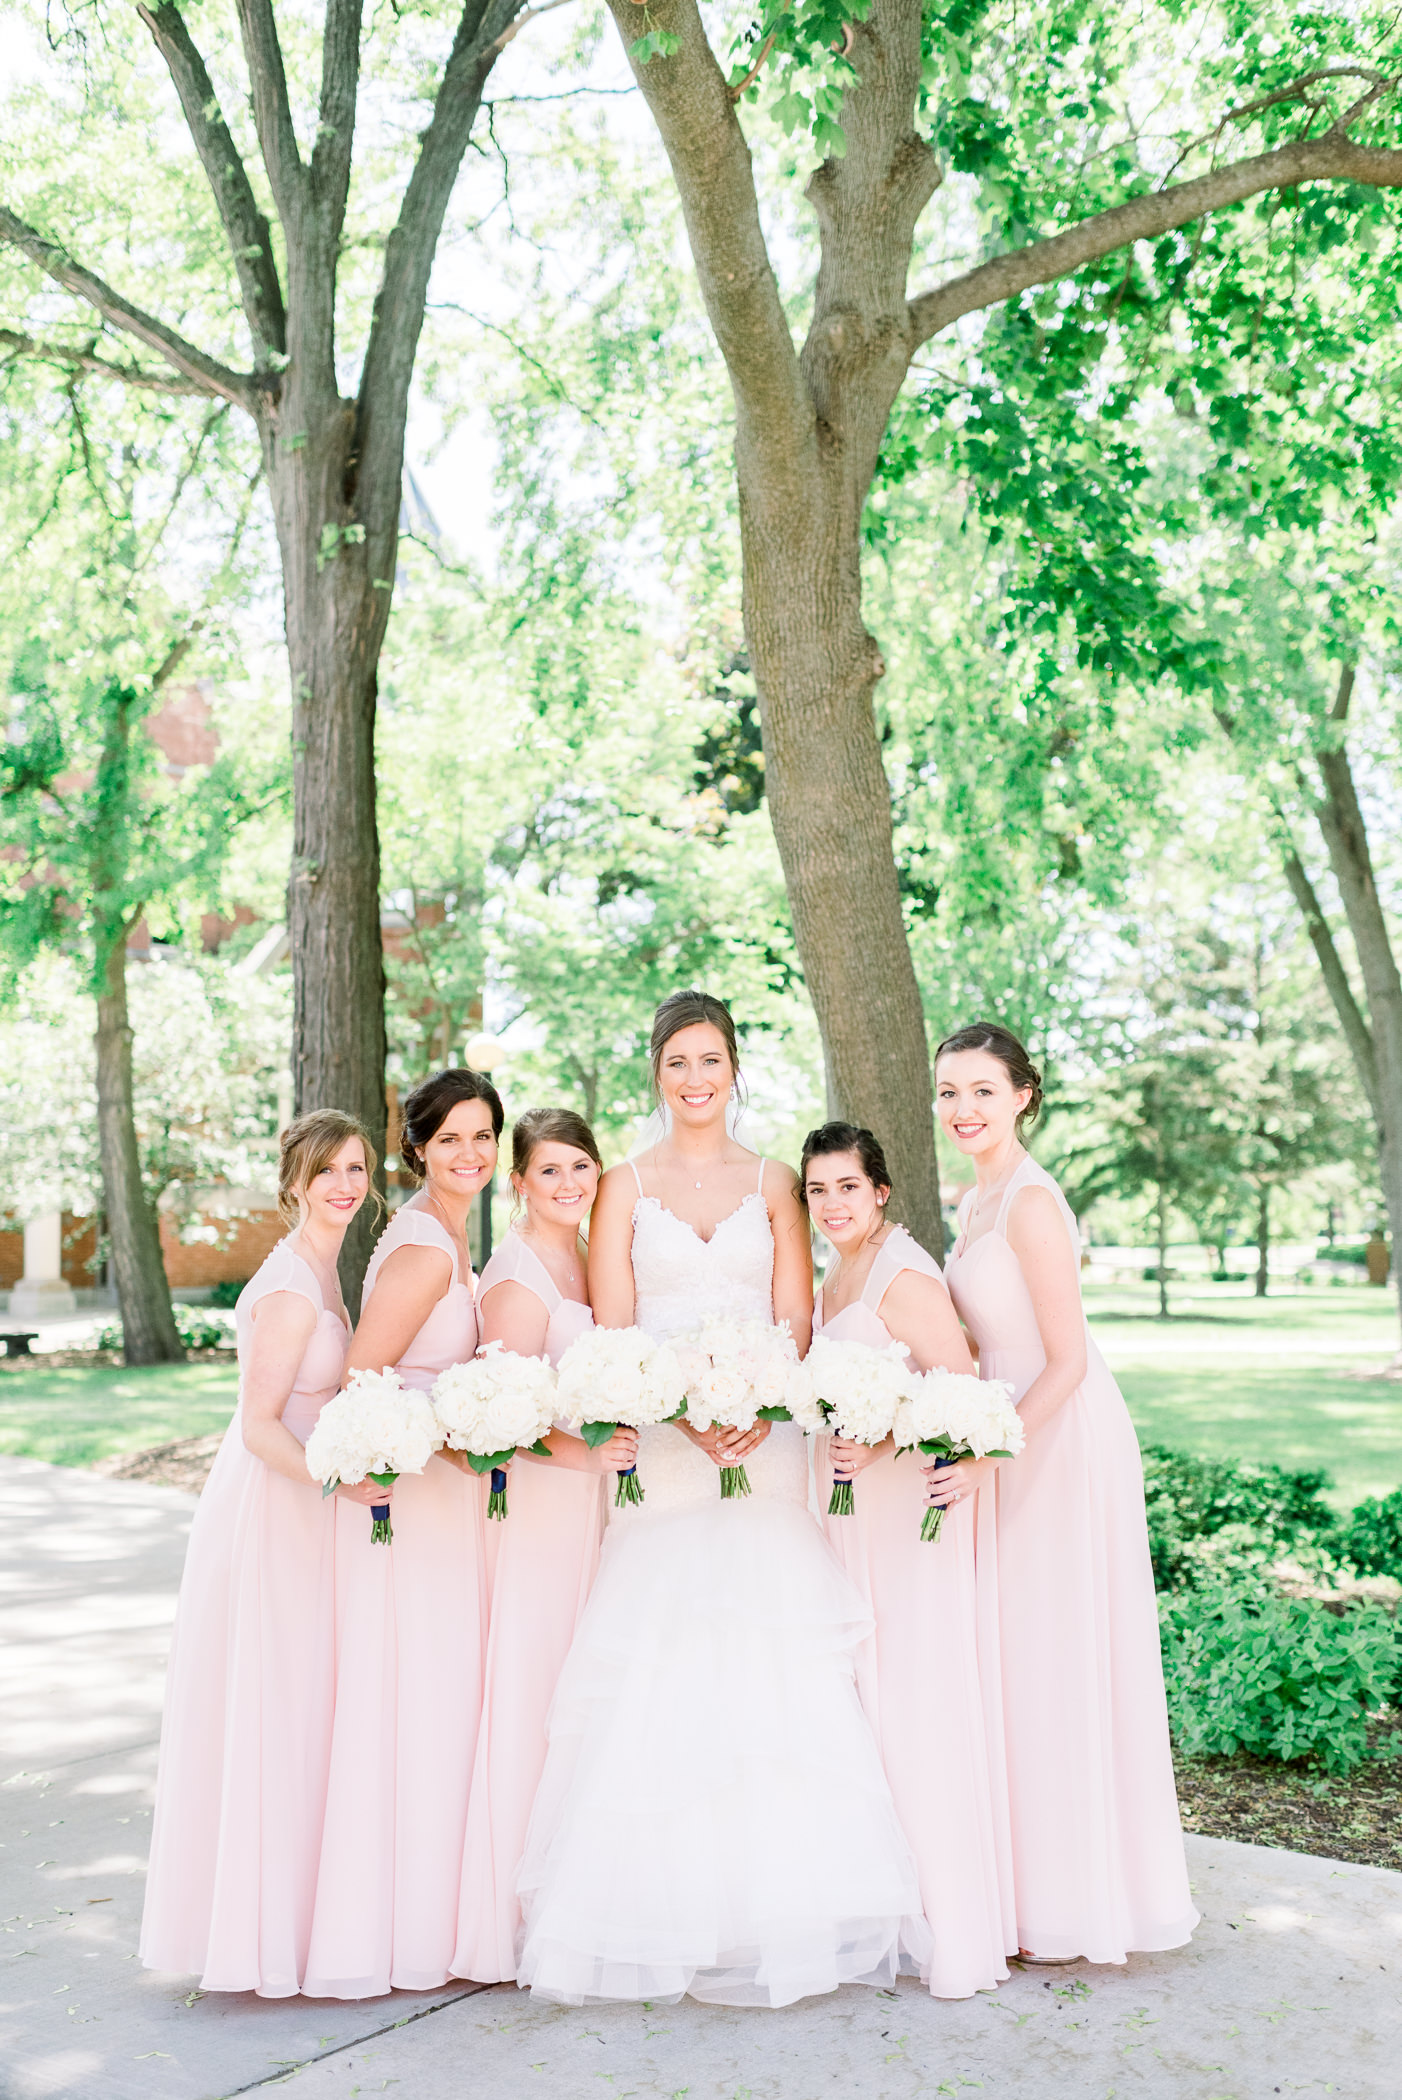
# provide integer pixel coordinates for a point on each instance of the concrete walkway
(1293, 1984)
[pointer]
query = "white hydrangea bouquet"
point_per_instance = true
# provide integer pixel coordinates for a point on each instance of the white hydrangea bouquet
(618, 1378)
(739, 1372)
(375, 1430)
(857, 1391)
(952, 1415)
(497, 1404)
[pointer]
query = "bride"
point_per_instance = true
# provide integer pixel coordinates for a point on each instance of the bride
(706, 1739)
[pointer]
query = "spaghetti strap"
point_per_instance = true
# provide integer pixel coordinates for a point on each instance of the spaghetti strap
(759, 1178)
(636, 1175)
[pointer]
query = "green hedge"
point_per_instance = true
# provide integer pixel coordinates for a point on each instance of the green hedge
(1247, 1667)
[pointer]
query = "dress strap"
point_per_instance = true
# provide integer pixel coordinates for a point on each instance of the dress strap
(515, 1262)
(759, 1178)
(1022, 1173)
(636, 1175)
(284, 1270)
(899, 1252)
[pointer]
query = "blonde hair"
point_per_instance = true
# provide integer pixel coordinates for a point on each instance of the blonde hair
(311, 1143)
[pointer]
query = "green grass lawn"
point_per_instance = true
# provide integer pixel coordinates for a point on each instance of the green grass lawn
(1286, 1380)
(1227, 1376)
(73, 1415)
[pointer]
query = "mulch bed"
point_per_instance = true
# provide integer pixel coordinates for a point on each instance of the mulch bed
(1357, 1816)
(83, 1359)
(182, 1464)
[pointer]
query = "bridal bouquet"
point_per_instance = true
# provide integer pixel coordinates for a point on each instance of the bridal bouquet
(375, 1430)
(952, 1415)
(496, 1404)
(857, 1393)
(618, 1378)
(739, 1372)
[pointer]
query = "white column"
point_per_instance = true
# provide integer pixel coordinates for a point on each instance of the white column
(43, 1294)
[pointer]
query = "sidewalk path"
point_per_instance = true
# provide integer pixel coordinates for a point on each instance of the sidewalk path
(1293, 1985)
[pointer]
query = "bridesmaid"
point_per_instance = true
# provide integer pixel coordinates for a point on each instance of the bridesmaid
(411, 1617)
(246, 1741)
(1098, 1865)
(919, 1676)
(533, 1299)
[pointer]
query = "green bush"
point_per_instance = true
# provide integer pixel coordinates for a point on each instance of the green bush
(1372, 1537)
(1204, 1511)
(197, 1327)
(1246, 1668)
(226, 1295)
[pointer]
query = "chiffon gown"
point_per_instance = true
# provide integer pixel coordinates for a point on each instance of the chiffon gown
(919, 1675)
(411, 1636)
(1098, 1864)
(547, 1557)
(706, 1729)
(246, 1739)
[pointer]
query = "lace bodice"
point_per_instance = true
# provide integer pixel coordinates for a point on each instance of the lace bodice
(678, 1279)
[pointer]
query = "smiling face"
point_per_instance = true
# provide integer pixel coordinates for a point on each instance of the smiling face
(461, 1156)
(559, 1185)
(695, 1075)
(843, 1201)
(335, 1193)
(977, 1102)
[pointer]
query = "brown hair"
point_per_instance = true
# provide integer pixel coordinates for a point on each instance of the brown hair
(689, 1010)
(1012, 1056)
(433, 1100)
(550, 1126)
(309, 1145)
(844, 1137)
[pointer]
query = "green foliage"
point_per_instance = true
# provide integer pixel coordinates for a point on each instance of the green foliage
(1372, 1537)
(1202, 1508)
(1246, 1668)
(196, 1327)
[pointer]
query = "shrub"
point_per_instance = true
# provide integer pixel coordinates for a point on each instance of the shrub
(1246, 1668)
(1372, 1538)
(1250, 1513)
(197, 1327)
(226, 1295)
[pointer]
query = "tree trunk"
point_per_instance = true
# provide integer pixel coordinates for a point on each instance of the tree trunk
(1340, 818)
(336, 620)
(1263, 1239)
(148, 1323)
(1161, 1217)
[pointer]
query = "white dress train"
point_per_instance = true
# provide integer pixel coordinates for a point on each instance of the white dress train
(706, 1728)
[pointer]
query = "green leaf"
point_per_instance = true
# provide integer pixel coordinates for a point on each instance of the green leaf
(596, 1433)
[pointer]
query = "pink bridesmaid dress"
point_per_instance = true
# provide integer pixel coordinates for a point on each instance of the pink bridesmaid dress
(547, 1556)
(1098, 1865)
(919, 1674)
(246, 1740)
(411, 1637)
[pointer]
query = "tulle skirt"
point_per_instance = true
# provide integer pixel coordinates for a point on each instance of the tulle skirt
(705, 1734)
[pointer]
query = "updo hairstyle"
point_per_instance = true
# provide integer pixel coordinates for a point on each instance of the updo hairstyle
(688, 1010)
(432, 1101)
(1001, 1043)
(844, 1137)
(550, 1126)
(308, 1145)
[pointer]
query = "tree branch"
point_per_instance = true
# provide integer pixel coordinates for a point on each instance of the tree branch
(335, 131)
(206, 374)
(1357, 1033)
(691, 106)
(399, 304)
(249, 235)
(272, 111)
(1332, 157)
(139, 376)
(515, 28)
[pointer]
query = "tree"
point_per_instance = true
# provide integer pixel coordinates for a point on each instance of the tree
(810, 423)
(333, 463)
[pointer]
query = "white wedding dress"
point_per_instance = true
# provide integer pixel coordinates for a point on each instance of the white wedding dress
(706, 1736)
